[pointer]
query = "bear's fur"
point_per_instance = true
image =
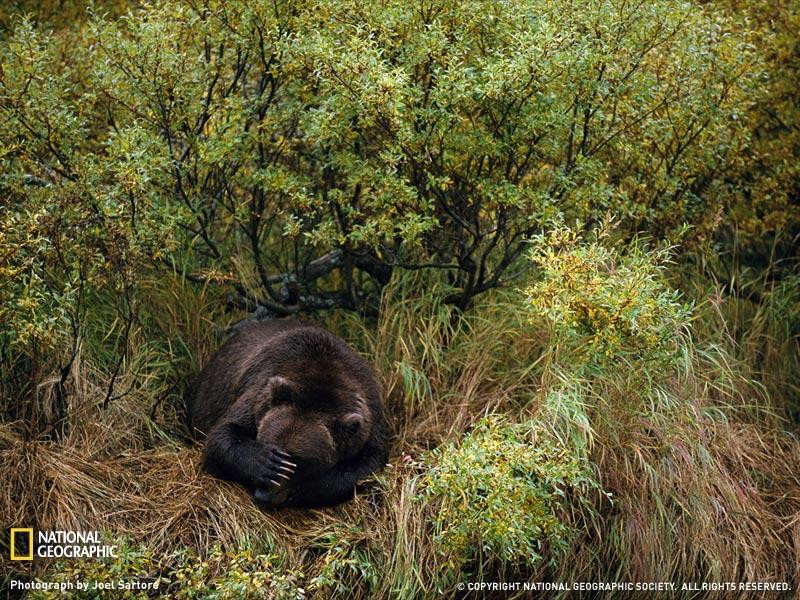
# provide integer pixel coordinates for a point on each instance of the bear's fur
(290, 411)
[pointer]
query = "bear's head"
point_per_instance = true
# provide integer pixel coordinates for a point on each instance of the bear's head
(319, 422)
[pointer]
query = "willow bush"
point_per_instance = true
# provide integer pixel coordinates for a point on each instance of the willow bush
(300, 152)
(500, 497)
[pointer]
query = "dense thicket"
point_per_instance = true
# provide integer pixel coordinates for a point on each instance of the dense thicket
(300, 153)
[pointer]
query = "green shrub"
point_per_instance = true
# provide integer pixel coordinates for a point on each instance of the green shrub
(303, 151)
(618, 331)
(239, 574)
(605, 304)
(346, 566)
(500, 495)
(182, 574)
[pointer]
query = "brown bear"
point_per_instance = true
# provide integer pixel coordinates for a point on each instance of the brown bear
(290, 411)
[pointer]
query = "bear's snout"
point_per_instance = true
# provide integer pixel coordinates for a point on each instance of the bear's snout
(307, 440)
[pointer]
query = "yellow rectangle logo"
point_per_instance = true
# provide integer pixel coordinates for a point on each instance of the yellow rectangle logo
(14, 532)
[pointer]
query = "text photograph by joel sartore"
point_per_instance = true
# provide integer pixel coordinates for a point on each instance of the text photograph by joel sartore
(400, 299)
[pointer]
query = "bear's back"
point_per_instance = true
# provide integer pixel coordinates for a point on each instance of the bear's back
(261, 350)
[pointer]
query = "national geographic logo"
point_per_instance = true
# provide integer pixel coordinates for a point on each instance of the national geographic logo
(24, 544)
(21, 543)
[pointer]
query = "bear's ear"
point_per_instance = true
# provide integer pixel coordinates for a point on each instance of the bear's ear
(351, 423)
(280, 390)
